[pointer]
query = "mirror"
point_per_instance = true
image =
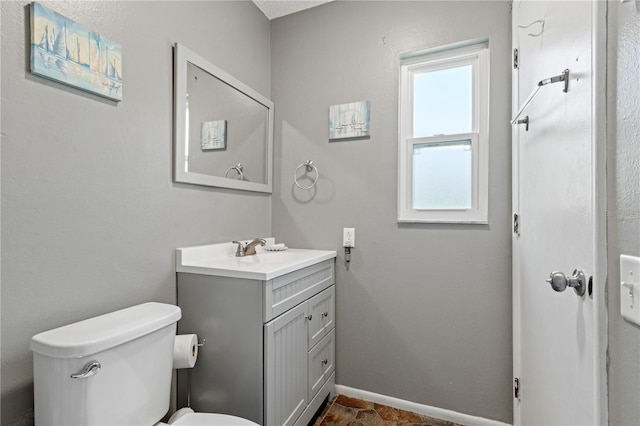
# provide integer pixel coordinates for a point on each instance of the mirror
(223, 129)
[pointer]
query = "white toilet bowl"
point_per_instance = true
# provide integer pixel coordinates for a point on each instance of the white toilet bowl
(187, 417)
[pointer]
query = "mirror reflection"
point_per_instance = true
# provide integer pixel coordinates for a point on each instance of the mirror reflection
(223, 128)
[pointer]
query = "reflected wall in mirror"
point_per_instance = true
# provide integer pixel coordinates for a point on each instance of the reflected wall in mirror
(223, 129)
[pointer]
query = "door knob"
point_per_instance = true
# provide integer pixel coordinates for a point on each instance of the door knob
(559, 281)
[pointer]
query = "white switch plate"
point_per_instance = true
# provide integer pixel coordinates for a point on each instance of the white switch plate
(630, 288)
(349, 237)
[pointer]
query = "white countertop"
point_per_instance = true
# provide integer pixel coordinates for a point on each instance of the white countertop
(220, 260)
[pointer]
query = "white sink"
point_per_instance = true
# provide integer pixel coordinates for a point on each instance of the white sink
(220, 259)
(272, 258)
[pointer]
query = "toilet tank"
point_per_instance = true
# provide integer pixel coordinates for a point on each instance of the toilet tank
(132, 386)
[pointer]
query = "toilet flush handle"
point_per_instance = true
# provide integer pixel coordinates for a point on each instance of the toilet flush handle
(91, 369)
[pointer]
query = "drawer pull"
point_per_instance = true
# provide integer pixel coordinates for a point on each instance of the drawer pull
(325, 314)
(308, 317)
(324, 361)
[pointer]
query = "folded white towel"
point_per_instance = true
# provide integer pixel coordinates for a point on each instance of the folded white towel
(276, 247)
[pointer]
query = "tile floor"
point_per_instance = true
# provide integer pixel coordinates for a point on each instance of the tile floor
(346, 411)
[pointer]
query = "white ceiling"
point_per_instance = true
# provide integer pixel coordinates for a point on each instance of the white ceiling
(276, 8)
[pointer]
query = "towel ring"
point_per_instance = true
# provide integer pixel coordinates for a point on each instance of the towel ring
(310, 167)
(237, 168)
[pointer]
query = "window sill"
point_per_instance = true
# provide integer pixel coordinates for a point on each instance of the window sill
(460, 222)
(472, 217)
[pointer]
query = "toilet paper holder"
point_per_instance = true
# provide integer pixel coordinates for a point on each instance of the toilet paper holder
(188, 374)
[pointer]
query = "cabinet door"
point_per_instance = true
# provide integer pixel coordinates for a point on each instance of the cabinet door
(286, 366)
(322, 314)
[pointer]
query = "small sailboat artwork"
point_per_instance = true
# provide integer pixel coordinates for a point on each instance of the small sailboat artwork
(213, 135)
(350, 120)
(65, 51)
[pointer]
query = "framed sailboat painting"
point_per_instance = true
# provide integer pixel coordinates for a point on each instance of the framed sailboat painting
(213, 135)
(69, 53)
(350, 121)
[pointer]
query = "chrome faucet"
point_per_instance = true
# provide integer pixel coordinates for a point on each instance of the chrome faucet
(248, 249)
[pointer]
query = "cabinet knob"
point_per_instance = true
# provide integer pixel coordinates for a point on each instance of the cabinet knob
(308, 317)
(324, 361)
(325, 314)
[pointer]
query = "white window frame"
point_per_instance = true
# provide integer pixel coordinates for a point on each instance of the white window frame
(475, 54)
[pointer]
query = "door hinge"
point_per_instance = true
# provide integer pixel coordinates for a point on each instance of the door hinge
(516, 224)
(516, 388)
(516, 59)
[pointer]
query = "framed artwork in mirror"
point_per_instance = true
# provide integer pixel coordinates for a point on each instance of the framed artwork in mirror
(213, 135)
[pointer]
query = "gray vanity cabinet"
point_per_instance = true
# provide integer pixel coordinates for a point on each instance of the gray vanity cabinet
(299, 358)
(269, 352)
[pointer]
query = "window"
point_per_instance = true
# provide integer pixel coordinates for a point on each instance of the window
(443, 141)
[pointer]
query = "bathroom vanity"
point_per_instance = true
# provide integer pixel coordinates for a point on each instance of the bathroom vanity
(269, 325)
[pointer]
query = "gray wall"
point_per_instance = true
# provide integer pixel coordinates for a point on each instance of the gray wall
(623, 210)
(90, 216)
(423, 311)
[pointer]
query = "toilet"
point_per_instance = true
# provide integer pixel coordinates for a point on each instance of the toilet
(114, 369)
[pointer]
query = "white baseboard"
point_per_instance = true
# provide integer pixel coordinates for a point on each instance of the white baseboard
(439, 413)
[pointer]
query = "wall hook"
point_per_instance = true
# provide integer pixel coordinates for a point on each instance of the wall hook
(524, 121)
(539, 21)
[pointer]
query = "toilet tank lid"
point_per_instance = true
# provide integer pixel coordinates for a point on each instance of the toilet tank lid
(105, 331)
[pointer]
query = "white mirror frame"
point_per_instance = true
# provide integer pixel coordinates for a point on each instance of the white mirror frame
(182, 56)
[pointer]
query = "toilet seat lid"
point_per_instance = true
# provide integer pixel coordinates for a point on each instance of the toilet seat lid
(210, 419)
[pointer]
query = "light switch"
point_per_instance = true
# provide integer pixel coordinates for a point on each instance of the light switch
(630, 288)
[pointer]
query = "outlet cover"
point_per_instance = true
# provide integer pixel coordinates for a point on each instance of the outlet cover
(348, 237)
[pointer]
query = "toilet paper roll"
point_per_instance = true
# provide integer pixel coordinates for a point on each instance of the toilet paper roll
(185, 351)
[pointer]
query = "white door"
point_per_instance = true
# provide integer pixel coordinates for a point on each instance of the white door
(557, 349)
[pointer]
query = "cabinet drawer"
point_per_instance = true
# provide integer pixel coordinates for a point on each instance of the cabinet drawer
(322, 314)
(321, 363)
(285, 292)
